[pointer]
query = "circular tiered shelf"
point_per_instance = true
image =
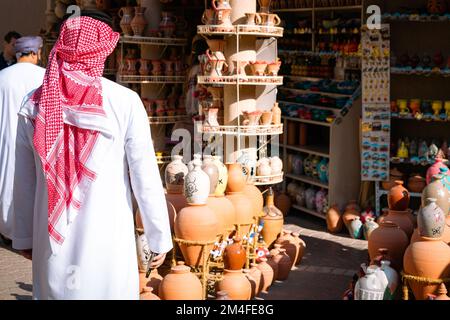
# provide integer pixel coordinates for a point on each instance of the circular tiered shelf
(243, 130)
(241, 29)
(242, 80)
(267, 180)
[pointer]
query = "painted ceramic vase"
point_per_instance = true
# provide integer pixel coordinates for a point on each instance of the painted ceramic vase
(181, 284)
(369, 226)
(196, 223)
(435, 169)
(307, 165)
(321, 201)
(398, 197)
(310, 198)
(276, 165)
(175, 173)
(369, 287)
(139, 23)
(334, 219)
(223, 177)
(225, 213)
(126, 15)
(234, 256)
(143, 252)
(389, 236)
(322, 169)
(297, 165)
(402, 219)
(264, 168)
(431, 220)
(300, 197)
(197, 158)
(210, 168)
(256, 198)
(392, 278)
(428, 258)
(273, 220)
(436, 190)
(267, 275)
(236, 179)
(236, 284)
(284, 264)
(356, 228)
(197, 185)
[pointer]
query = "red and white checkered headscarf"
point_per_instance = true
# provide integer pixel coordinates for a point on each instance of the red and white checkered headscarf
(70, 117)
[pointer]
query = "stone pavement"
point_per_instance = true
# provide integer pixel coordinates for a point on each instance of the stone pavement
(324, 274)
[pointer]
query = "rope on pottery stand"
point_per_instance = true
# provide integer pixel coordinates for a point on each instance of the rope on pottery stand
(423, 280)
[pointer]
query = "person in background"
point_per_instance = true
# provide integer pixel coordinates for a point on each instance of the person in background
(8, 57)
(16, 82)
(82, 143)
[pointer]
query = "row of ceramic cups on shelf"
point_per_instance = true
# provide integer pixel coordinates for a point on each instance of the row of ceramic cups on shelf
(153, 67)
(162, 107)
(269, 167)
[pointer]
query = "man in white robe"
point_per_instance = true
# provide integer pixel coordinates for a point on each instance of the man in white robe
(89, 251)
(16, 82)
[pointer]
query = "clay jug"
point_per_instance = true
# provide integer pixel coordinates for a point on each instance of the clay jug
(442, 293)
(301, 246)
(437, 190)
(234, 256)
(225, 212)
(139, 23)
(283, 202)
(369, 287)
(177, 200)
(401, 219)
(435, 169)
(236, 179)
(334, 219)
(256, 274)
(267, 275)
(181, 284)
(153, 281)
(398, 197)
(147, 294)
(196, 223)
(236, 284)
(196, 185)
(126, 15)
(223, 177)
(284, 264)
(388, 235)
(427, 258)
(276, 114)
(174, 174)
(252, 282)
(273, 220)
(243, 209)
(274, 265)
(431, 220)
(289, 243)
(256, 198)
(210, 168)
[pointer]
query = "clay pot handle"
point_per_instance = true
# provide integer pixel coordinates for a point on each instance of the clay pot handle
(277, 18)
(213, 4)
(205, 18)
(120, 13)
(258, 18)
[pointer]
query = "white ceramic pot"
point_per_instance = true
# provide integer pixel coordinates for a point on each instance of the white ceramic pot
(174, 174)
(392, 277)
(143, 252)
(264, 168)
(223, 177)
(197, 157)
(369, 287)
(196, 185)
(277, 165)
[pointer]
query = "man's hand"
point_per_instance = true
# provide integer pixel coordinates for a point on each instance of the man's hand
(28, 254)
(158, 261)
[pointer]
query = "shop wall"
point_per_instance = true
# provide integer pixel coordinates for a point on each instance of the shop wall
(24, 16)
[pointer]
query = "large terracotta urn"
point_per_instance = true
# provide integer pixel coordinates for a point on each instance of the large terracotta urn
(437, 190)
(289, 243)
(428, 258)
(236, 178)
(301, 246)
(244, 211)
(398, 197)
(273, 220)
(196, 223)
(174, 174)
(196, 185)
(236, 284)
(178, 200)
(225, 212)
(256, 198)
(334, 219)
(389, 235)
(401, 219)
(234, 255)
(431, 220)
(181, 284)
(284, 264)
(223, 177)
(267, 275)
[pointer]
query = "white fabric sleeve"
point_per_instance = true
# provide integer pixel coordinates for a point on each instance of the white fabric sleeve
(146, 181)
(24, 187)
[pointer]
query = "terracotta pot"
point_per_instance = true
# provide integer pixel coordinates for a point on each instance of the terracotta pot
(334, 219)
(222, 295)
(301, 246)
(273, 220)
(177, 200)
(416, 184)
(147, 294)
(174, 174)
(236, 284)
(252, 282)
(153, 281)
(243, 209)
(274, 265)
(437, 190)
(284, 264)
(256, 274)
(427, 258)
(181, 284)
(210, 168)
(431, 220)
(398, 197)
(223, 177)
(255, 196)
(389, 236)
(236, 179)
(170, 210)
(401, 219)
(442, 293)
(225, 212)
(197, 185)
(126, 15)
(196, 223)
(283, 202)
(234, 256)
(267, 275)
(139, 23)
(289, 243)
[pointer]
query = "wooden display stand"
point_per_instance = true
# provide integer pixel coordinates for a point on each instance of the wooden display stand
(425, 281)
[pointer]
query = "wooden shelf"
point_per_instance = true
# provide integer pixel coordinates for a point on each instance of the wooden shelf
(321, 151)
(308, 180)
(329, 94)
(339, 8)
(309, 105)
(412, 194)
(153, 41)
(241, 29)
(313, 212)
(151, 79)
(318, 123)
(267, 180)
(167, 119)
(426, 120)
